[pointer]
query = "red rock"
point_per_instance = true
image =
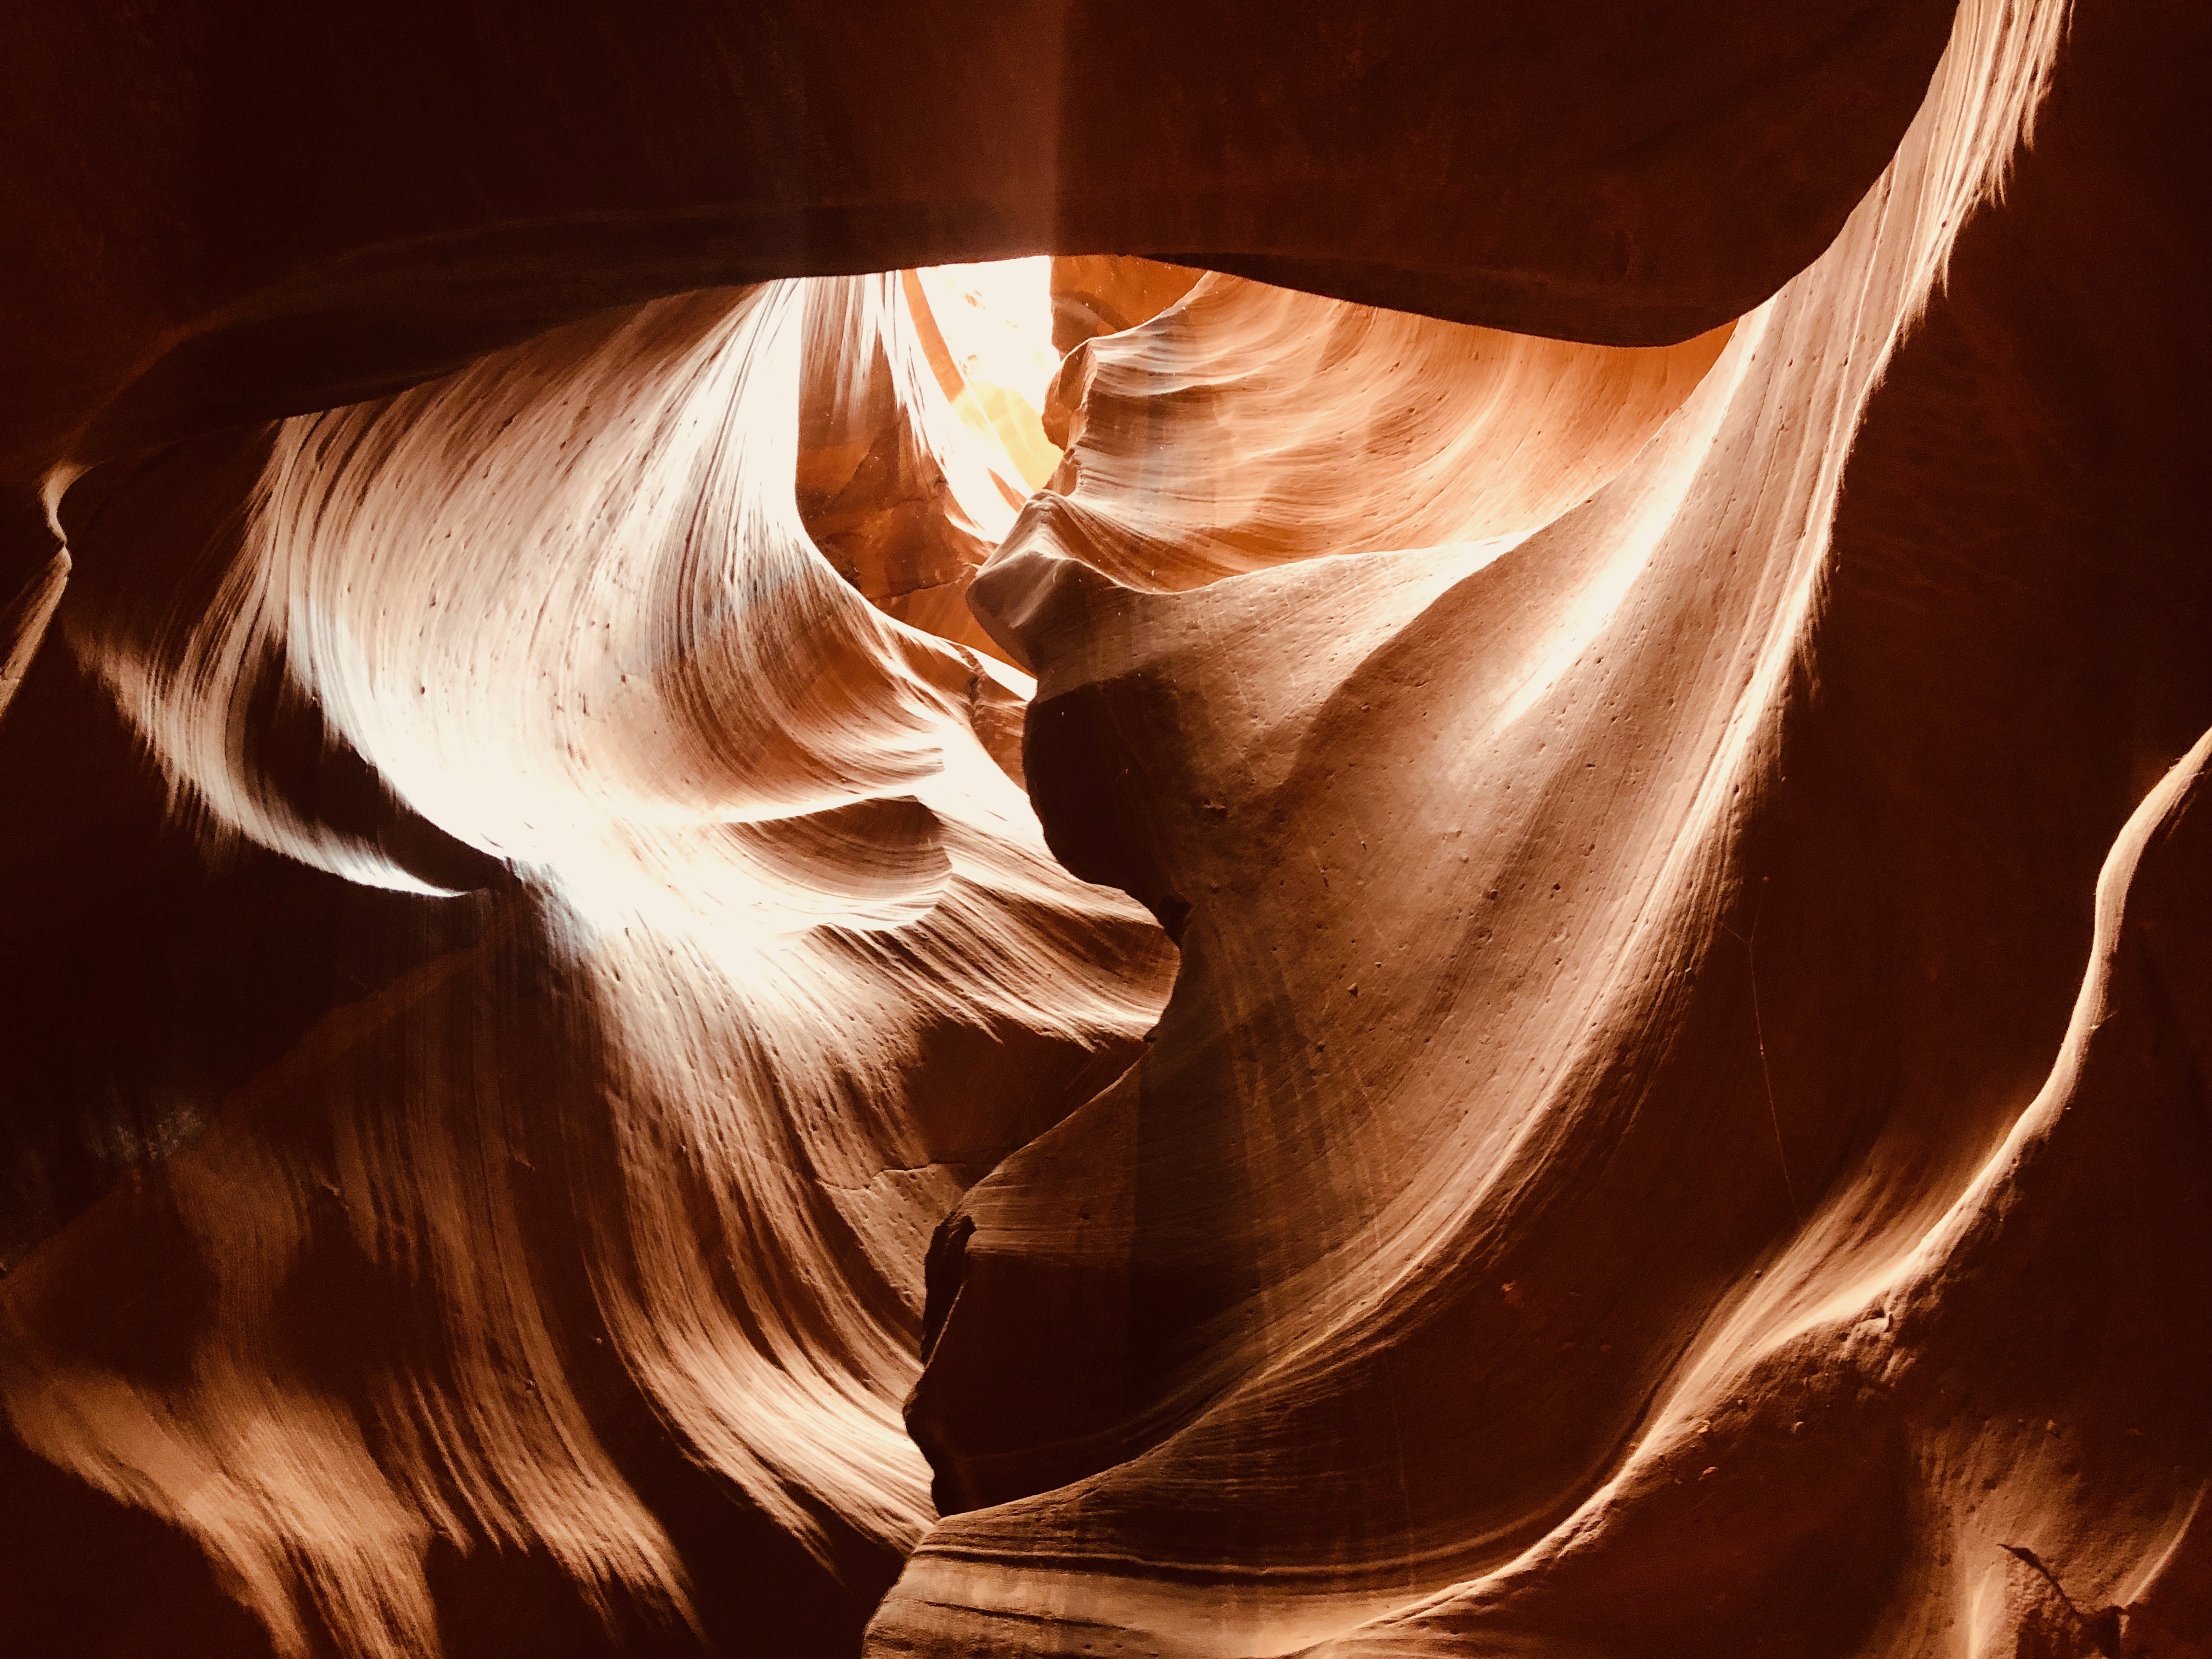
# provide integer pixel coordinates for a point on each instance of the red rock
(589, 1070)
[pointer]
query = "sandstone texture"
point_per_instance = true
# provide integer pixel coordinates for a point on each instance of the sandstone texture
(1043, 830)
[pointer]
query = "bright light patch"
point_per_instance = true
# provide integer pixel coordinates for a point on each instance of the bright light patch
(997, 322)
(995, 326)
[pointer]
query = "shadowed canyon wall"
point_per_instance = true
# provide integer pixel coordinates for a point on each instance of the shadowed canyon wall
(690, 970)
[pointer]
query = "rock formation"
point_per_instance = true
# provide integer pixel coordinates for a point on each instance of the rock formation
(1570, 1018)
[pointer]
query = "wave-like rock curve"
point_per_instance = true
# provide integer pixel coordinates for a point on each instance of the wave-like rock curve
(680, 1155)
(1517, 1238)
(774, 963)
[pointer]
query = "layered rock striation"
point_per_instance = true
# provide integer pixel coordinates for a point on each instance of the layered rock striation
(1520, 975)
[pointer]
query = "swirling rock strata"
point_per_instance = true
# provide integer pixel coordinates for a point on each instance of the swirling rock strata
(595, 1239)
(1634, 1162)
(1601, 1184)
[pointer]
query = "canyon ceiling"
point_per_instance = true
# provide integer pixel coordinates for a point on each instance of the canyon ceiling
(1368, 831)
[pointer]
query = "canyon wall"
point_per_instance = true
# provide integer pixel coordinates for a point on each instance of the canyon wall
(1521, 975)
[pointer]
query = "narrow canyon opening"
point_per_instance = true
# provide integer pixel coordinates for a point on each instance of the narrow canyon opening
(1465, 919)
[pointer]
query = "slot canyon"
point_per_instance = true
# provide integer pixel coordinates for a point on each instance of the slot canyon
(907, 832)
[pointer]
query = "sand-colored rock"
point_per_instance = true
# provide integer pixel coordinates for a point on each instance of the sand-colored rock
(589, 1072)
(1601, 1184)
(1218, 438)
(1095, 294)
(769, 963)
(905, 484)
